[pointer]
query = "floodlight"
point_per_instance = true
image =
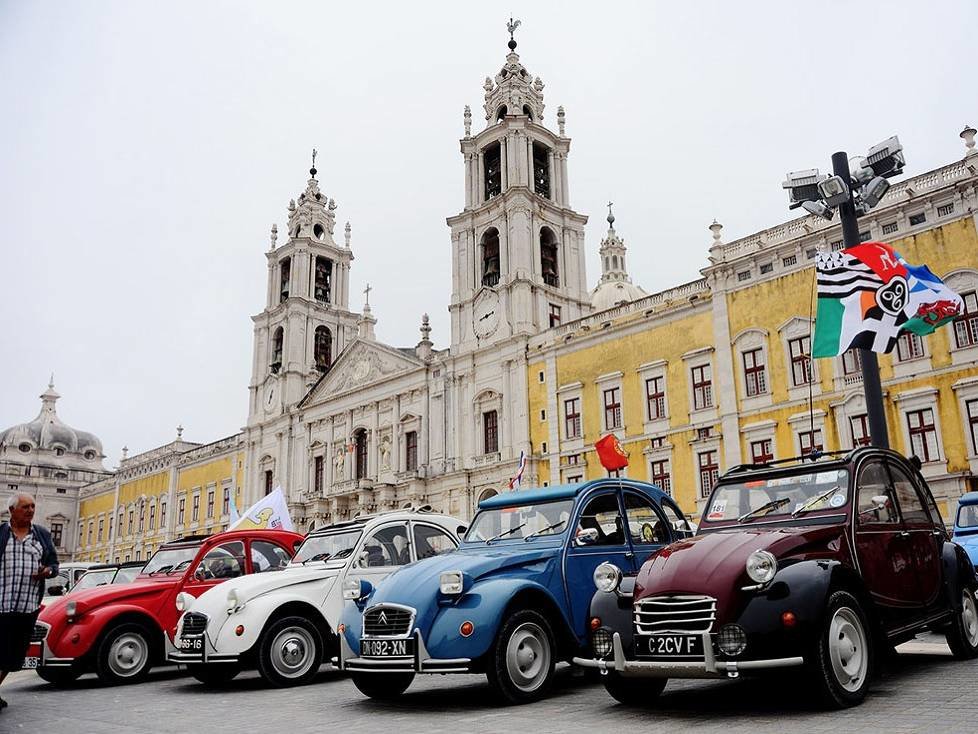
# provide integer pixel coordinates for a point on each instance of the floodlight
(802, 186)
(818, 209)
(886, 158)
(874, 191)
(833, 191)
(861, 171)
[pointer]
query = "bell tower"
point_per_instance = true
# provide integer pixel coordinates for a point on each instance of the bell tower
(307, 320)
(517, 246)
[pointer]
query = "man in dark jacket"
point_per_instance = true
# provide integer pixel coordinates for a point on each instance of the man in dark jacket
(27, 558)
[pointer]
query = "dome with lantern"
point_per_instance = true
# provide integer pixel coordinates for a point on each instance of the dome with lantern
(615, 287)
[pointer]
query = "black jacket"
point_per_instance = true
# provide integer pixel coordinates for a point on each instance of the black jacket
(49, 557)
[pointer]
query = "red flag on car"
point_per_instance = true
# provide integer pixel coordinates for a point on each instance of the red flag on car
(610, 453)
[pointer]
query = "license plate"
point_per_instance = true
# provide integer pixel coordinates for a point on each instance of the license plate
(387, 648)
(670, 646)
(31, 663)
(193, 644)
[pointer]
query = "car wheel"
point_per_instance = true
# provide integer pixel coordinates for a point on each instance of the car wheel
(382, 686)
(962, 634)
(125, 655)
(843, 656)
(217, 674)
(521, 663)
(633, 691)
(290, 651)
(59, 676)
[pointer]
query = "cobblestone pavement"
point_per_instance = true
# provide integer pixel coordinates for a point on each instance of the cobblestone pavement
(922, 690)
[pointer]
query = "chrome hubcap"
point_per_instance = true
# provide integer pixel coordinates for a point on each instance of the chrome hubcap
(969, 618)
(293, 652)
(128, 654)
(528, 657)
(848, 649)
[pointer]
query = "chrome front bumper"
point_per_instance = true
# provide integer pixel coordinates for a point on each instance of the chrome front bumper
(198, 657)
(709, 667)
(420, 662)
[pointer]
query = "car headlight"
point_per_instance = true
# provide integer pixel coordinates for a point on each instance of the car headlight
(451, 583)
(183, 601)
(607, 576)
(761, 566)
(602, 642)
(234, 603)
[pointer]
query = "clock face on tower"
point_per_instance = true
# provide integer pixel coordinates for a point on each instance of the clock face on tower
(485, 314)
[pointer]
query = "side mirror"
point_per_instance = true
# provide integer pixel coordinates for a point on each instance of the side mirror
(461, 530)
(296, 545)
(55, 591)
(586, 536)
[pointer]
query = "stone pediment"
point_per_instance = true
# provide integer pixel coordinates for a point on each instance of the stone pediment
(362, 363)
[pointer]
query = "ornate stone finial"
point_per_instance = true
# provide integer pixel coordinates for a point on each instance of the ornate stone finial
(611, 217)
(312, 171)
(968, 136)
(346, 235)
(274, 236)
(511, 27)
(51, 382)
(467, 119)
(179, 433)
(291, 205)
(716, 228)
(125, 452)
(332, 205)
(561, 120)
(425, 328)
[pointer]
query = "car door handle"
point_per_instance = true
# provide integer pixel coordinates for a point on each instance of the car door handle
(938, 533)
(905, 534)
(629, 554)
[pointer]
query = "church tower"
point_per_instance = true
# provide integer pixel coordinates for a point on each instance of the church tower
(517, 247)
(306, 322)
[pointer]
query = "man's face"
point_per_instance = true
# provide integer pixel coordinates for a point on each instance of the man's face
(23, 511)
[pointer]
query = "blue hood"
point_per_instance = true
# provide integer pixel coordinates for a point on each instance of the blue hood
(968, 541)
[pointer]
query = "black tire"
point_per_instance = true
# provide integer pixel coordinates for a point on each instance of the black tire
(633, 691)
(843, 657)
(962, 633)
(290, 652)
(125, 655)
(214, 674)
(521, 661)
(60, 677)
(382, 686)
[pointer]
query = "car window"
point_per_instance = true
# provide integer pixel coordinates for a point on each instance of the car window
(226, 561)
(267, 556)
(644, 523)
(675, 518)
(430, 541)
(386, 547)
(874, 482)
(911, 507)
(602, 514)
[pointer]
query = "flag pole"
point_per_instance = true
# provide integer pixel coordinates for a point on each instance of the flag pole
(870, 364)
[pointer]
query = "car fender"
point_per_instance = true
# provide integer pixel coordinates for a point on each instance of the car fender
(958, 572)
(614, 609)
(92, 625)
(255, 616)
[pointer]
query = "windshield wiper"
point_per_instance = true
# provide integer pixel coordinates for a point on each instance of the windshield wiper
(765, 509)
(815, 500)
(543, 530)
(161, 569)
(506, 532)
(317, 557)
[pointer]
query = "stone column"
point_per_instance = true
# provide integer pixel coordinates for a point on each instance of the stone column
(396, 464)
(480, 182)
(504, 172)
(565, 189)
(551, 160)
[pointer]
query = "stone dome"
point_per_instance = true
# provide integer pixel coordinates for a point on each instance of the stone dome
(615, 287)
(47, 432)
(611, 293)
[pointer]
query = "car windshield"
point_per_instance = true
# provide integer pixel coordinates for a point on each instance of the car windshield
(507, 523)
(778, 497)
(60, 580)
(125, 575)
(94, 578)
(968, 516)
(329, 547)
(169, 560)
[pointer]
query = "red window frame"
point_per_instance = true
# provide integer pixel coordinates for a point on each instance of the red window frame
(852, 362)
(755, 376)
(226, 503)
(762, 452)
(659, 471)
(655, 397)
(923, 434)
(971, 411)
(612, 408)
(702, 377)
(909, 346)
(709, 472)
(210, 503)
(572, 418)
(800, 351)
(809, 441)
(554, 315)
(864, 439)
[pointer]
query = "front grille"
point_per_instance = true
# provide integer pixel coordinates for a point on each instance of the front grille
(39, 633)
(664, 614)
(386, 621)
(194, 623)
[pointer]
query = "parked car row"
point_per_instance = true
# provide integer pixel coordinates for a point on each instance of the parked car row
(814, 566)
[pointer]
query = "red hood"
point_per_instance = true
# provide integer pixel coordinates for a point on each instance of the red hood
(88, 599)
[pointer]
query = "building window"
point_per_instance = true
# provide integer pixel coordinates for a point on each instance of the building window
(277, 341)
(492, 170)
(210, 504)
(162, 514)
(541, 170)
(762, 452)
(142, 515)
(971, 408)
(57, 530)
(660, 476)
(101, 528)
(360, 448)
(704, 433)
(322, 277)
(810, 253)
(702, 387)
(61, 490)
(268, 482)
(554, 315)
(800, 350)
(285, 277)
(195, 509)
(574, 459)
(837, 245)
(548, 257)
(226, 502)
(543, 414)
(323, 348)
(909, 346)
(810, 441)
(132, 516)
(121, 513)
(889, 228)
(317, 475)
(543, 448)
(789, 261)
(709, 472)
(945, 209)
(655, 397)
(852, 363)
(540, 376)
(575, 479)
(657, 442)
(614, 473)
(411, 450)
(755, 378)
(966, 325)
(766, 268)
(743, 275)
(612, 408)
(572, 418)
(181, 510)
(490, 432)
(923, 435)
(859, 427)
(90, 528)
(864, 236)
(490, 257)
(916, 219)
(152, 517)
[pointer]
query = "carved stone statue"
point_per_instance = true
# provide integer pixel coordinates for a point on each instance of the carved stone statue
(339, 459)
(385, 453)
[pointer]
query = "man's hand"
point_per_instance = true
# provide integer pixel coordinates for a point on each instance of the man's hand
(42, 573)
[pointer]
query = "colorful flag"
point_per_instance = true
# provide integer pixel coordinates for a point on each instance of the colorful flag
(271, 512)
(610, 453)
(516, 481)
(868, 294)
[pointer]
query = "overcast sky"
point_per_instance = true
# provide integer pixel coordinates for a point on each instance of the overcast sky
(147, 148)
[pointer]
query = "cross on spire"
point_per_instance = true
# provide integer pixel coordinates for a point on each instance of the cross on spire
(611, 217)
(366, 292)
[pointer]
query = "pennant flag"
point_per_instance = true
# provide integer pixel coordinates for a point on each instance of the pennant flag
(516, 481)
(233, 509)
(271, 512)
(610, 453)
(868, 294)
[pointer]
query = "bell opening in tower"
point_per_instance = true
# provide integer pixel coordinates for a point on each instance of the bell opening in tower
(493, 170)
(490, 257)
(323, 348)
(548, 257)
(541, 170)
(360, 444)
(285, 278)
(323, 276)
(277, 341)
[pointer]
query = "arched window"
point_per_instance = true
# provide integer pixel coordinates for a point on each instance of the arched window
(492, 170)
(541, 169)
(501, 113)
(527, 111)
(322, 277)
(614, 261)
(548, 257)
(285, 278)
(277, 341)
(490, 257)
(360, 442)
(323, 348)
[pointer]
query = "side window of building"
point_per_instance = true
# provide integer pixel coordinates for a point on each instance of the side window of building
(386, 547)
(602, 515)
(874, 482)
(430, 541)
(644, 523)
(911, 507)
(267, 556)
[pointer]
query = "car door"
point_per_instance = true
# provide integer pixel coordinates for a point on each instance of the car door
(599, 535)
(882, 546)
(220, 563)
(648, 529)
(923, 536)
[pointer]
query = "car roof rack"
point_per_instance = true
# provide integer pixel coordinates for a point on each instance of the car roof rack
(813, 457)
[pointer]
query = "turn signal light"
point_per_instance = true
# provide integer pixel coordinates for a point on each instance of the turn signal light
(466, 629)
(239, 630)
(341, 628)
(595, 623)
(788, 619)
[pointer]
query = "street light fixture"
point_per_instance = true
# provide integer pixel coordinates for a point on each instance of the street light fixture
(802, 186)
(886, 158)
(874, 191)
(819, 208)
(833, 191)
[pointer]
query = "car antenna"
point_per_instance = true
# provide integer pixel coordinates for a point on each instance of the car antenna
(815, 453)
